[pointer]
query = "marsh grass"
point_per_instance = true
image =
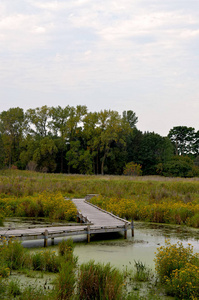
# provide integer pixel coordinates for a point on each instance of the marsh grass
(46, 261)
(32, 273)
(98, 281)
(14, 288)
(13, 255)
(65, 284)
(3, 286)
(142, 273)
(1, 220)
(36, 293)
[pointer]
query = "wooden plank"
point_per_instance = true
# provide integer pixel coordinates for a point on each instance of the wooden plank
(93, 219)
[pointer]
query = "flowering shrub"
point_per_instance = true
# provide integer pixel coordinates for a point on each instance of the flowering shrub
(164, 211)
(132, 169)
(172, 257)
(122, 207)
(51, 205)
(178, 268)
(184, 283)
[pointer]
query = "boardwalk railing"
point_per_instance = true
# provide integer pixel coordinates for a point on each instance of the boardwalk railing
(93, 220)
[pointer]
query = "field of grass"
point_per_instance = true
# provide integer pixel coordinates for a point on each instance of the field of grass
(151, 198)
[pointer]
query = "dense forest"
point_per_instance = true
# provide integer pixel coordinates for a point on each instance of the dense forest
(73, 140)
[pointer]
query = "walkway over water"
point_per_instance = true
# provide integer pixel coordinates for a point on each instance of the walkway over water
(93, 220)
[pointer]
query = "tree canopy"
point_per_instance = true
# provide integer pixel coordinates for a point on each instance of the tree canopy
(72, 140)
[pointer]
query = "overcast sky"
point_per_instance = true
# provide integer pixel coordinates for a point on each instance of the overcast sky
(140, 55)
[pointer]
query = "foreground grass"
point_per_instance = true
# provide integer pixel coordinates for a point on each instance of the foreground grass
(177, 274)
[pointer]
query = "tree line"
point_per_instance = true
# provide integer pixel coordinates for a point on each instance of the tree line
(73, 140)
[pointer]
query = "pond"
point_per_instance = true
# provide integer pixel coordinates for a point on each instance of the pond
(115, 249)
(112, 248)
(148, 237)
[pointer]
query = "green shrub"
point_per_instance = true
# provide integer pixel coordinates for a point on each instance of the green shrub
(66, 248)
(184, 283)
(46, 261)
(132, 169)
(38, 262)
(194, 221)
(14, 254)
(98, 281)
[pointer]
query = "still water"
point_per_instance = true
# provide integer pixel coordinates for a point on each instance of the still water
(148, 237)
(121, 253)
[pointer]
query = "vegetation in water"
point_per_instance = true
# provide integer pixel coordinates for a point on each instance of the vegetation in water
(177, 275)
(98, 281)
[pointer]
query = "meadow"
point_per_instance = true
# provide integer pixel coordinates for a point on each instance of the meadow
(151, 198)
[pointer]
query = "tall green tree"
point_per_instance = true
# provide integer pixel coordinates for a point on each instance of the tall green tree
(196, 144)
(154, 150)
(45, 155)
(130, 117)
(2, 153)
(38, 119)
(74, 123)
(59, 127)
(179, 166)
(182, 138)
(12, 124)
(134, 141)
(91, 137)
(113, 130)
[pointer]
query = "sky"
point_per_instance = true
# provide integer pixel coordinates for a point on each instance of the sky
(139, 55)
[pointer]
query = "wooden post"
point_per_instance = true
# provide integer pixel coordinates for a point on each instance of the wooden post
(88, 234)
(132, 228)
(46, 238)
(80, 217)
(125, 230)
(52, 241)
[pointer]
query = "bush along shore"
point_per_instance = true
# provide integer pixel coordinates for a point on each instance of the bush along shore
(177, 275)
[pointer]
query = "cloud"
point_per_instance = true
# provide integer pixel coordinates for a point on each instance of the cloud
(142, 49)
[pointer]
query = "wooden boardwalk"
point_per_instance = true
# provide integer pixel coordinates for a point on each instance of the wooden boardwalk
(92, 220)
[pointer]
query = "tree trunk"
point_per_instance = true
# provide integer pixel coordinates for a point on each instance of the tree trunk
(103, 160)
(62, 161)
